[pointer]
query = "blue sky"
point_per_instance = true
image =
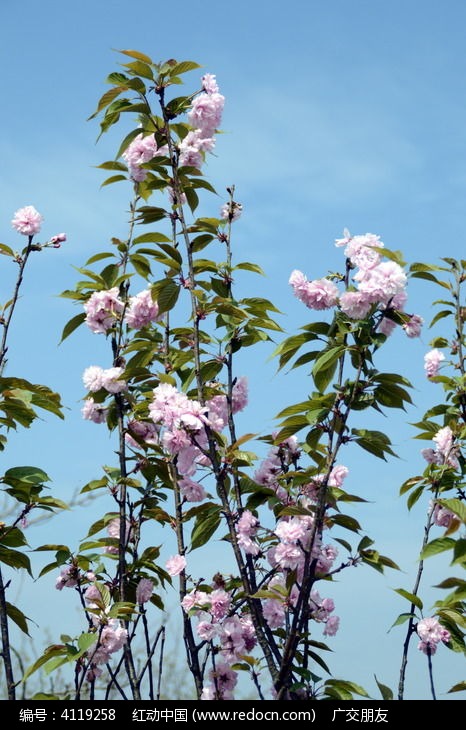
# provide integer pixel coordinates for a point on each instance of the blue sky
(337, 114)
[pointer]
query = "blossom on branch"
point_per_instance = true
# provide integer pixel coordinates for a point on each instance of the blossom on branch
(27, 221)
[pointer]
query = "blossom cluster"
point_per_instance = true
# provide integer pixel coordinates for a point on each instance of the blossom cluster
(378, 285)
(446, 451)
(104, 309)
(184, 421)
(431, 634)
(142, 149)
(234, 635)
(432, 360)
(204, 117)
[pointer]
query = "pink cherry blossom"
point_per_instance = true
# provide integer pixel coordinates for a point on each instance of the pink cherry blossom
(220, 602)
(57, 240)
(67, 578)
(142, 149)
(144, 590)
(206, 630)
(142, 310)
(414, 326)
(209, 84)
(146, 432)
(360, 250)
(331, 626)
(356, 304)
(432, 362)
(94, 412)
(382, 282)
(431, 633)
(206, 112)
(231, 211)
(112, 382)
(274, 613)
(27, 221)
(103, 309)
(192, 491)
(246, 529)
(175, 564)
(93, 378)
(442, 516)
(318, 294)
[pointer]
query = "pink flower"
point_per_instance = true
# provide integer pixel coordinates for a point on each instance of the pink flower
(386, 326)
(432, 362)
(414, 326)
(224, 676)
(176, 564)
(142, 310)
(239, 394)
(231, 211)
(246, 529)
(27, 221)
(431, 633)
(192, 491)
(209, 84)
(274, 613)
(94, 412)
(93, 378)
(382, 282)
(144, 590)
(318, 294)
(360, 250)
(338, 475)
(141, 150)
(113, 531)
(206, 630)
(111, 380)
(220, 602)
(331, 626)
(193, 148)
(67, 578)
(442, 516)
(355, 304)
(146, 432)
(103, 309)
(206, 113)
(194, 599)
(55, 241)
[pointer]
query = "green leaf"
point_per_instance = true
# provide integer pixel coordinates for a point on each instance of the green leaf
(4, 249)
(72, 324)
(345, 686)
(415, 600)
(27, 474)
(138, 55)
(15, 559)
(18, 617)
(166, 294)
(385, 691)
(402, 618)
(457, 506)
(56, 650)
(439, 545)
(206, 524)
(13, 537)
(183, 66)
(152, 238)
(325, 365)
(460, 687)
(459, 551)
(441, 315)
(247, 266)
(107, 99)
